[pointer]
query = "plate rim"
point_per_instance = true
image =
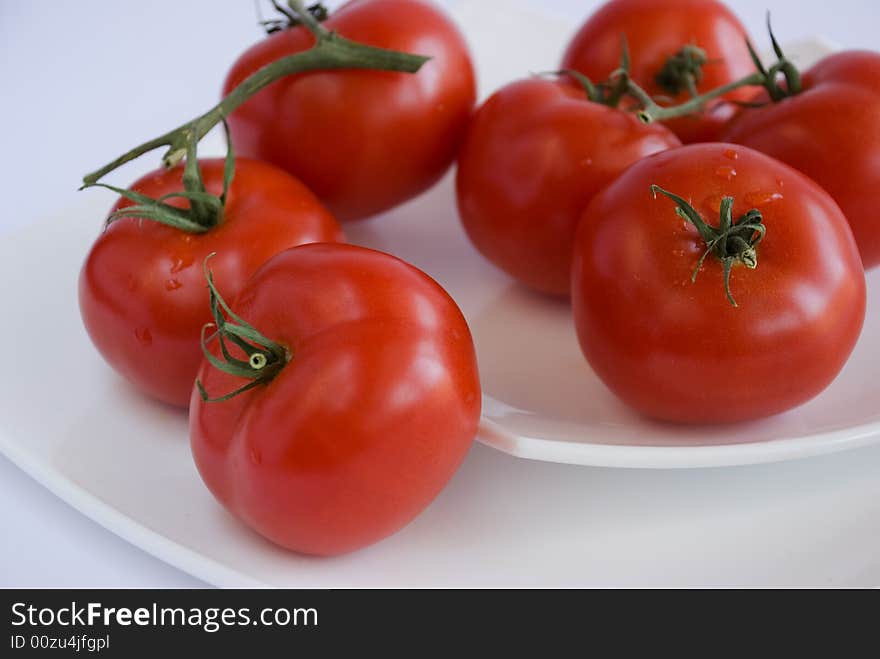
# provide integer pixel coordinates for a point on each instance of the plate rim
(117, 522)
(636, 456)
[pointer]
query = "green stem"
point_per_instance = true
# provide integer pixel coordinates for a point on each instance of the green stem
(789, 70)
(651, 111)
(331, 51)
(205, 210)
(731, 242)
(620, 79)
(264, 357)
(611, 91)
(307, 18)
(762, 77)
(290, 19)
(592, 91)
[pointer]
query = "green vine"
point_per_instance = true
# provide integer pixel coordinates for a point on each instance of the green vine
(682, 72)
(331, 51)
(768, 78)
(205, 210)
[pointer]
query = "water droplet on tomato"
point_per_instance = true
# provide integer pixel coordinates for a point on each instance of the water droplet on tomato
(172, 285)
(758, 199)
(586, 162)
(726, 172)
(731, 154)
(179, 263)
(144, 337)
(780, 183)
(256, 456)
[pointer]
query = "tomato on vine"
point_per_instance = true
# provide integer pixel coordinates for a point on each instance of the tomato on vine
(141, 291)
(363, 141)
(338, 396)
(680, 48)
(140, 294)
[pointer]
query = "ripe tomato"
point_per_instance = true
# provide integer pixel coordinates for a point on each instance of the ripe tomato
(831, 132)
(363, 141)
(535, 154)
(677, 349)
(656, 30)
(142, 292)
(365, 423)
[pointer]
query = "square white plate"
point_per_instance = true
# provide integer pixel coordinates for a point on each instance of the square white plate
(124, 461)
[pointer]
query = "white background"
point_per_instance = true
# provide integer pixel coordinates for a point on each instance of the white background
(84, 80)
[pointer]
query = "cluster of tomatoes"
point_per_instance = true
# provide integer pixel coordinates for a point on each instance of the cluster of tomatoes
(713, 282)
(337, 391)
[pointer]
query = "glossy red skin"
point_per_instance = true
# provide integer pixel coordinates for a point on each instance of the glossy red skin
(366, 423)
(679, 351)
(142, 292)
(363, 141)
(656, 29)
(831, 132)
(535, 154)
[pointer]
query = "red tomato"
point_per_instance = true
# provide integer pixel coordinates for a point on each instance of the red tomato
(142, 292)
(536, 153)
(655, 30)
(365, 424)
(679, 350)
(363, 141)
(831, 132)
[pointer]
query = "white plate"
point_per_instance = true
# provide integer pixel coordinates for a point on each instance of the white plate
(124, 460)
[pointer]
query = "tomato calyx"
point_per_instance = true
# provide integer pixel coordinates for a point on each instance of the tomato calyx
(732, 242)
(289, 19)
(682, 71)
(205, 209)
(265, 357)
(766, 77)
(783, 65)
(330, 52)
(611, 91)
